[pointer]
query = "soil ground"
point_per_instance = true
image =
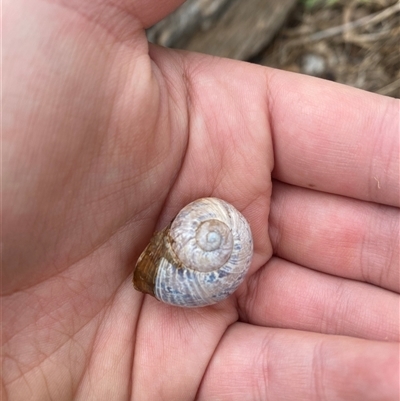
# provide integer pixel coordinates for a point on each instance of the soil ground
(354, 42)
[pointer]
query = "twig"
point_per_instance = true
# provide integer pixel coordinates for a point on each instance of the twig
(388, 89)
(337, 30)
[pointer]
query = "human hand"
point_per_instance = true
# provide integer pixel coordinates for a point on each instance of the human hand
(106, 139)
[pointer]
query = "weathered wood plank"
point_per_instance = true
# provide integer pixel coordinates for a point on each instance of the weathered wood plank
(191, 17)
(236, 29)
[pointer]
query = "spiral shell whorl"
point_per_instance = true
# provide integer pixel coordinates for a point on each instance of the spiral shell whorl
(195, 271)
(202, 235)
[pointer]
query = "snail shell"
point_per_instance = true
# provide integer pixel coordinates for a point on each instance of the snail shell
(200, 258)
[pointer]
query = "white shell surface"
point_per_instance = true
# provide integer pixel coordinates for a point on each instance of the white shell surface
(214, 246)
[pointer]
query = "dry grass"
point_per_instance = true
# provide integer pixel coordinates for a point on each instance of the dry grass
(354, 42)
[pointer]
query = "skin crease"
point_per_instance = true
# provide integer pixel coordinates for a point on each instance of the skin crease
(106, 138)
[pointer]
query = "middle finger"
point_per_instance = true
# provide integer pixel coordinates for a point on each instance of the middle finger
(285, 295)
(336, 235)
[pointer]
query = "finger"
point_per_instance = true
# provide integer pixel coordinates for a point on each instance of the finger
(335, 139)
(178, 343)
(290, 296)
(336, 235)
(229, 149)
(118, 16)
(256, 363)
(150, 12)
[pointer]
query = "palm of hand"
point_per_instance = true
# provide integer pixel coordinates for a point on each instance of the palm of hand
(125, 140)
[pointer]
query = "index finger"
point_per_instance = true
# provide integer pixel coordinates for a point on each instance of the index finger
(334, 138)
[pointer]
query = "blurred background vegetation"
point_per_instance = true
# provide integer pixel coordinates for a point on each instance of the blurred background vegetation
(355, 42)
